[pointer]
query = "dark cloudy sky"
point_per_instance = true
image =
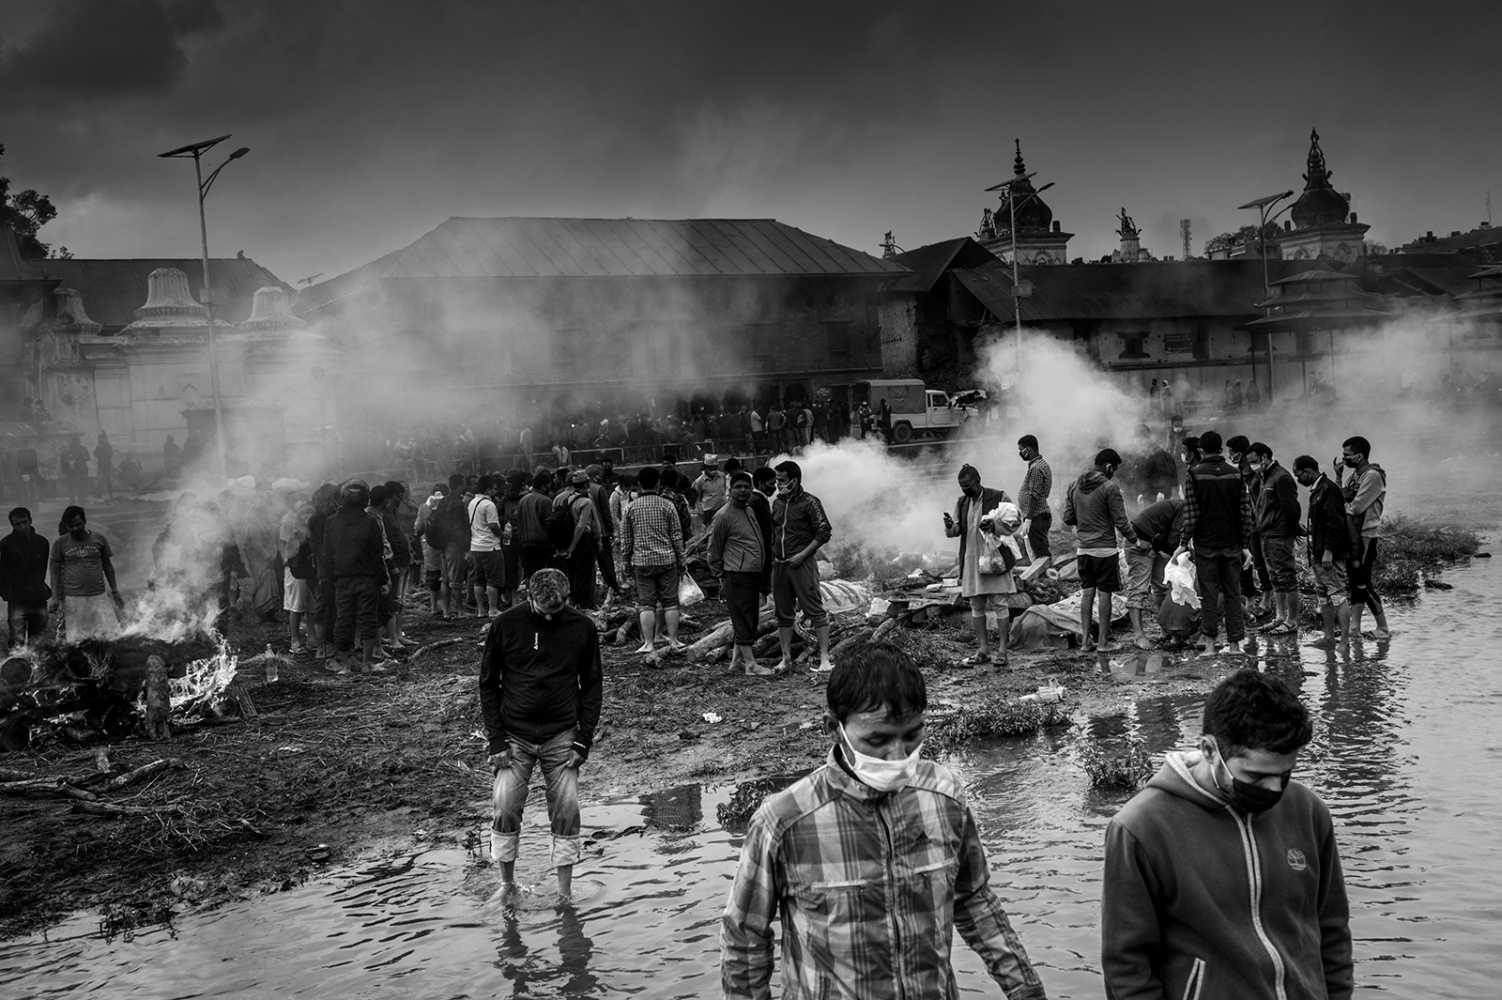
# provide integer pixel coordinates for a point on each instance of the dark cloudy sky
(372, 122)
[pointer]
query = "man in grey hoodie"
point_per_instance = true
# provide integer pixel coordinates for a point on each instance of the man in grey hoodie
(1095, 508)
(1215, 828)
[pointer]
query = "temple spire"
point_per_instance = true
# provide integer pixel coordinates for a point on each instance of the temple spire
(1319, 175)
(1018, 167)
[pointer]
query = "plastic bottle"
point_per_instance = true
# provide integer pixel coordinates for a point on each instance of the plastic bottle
(273, 669)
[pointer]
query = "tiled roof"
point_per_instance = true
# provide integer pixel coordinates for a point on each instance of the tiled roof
(527, 248)
(928, 263)
(113, 290)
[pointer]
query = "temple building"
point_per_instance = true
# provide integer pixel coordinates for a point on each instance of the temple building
(1038, 238)
(1323, 227)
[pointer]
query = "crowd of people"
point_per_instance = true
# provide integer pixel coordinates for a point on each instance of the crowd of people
(1234, 515)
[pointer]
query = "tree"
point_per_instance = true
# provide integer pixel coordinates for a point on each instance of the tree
(1242, 236)
(25, 213)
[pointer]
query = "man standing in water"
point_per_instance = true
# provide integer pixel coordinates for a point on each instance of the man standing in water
(1364, 496)
(1222, 877)
(1329, 550)
(985, 589)
(1094, 507)
(873, 861)
(540, 693)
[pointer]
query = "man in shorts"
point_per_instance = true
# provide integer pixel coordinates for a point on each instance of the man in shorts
(82, 566)
(432, 555)
(652, 545)
(1329, 548)
(1160, 523)
(1095, 508)
(486, 559)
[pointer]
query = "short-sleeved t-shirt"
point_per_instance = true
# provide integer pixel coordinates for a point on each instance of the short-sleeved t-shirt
(83, 563)
(482, 514)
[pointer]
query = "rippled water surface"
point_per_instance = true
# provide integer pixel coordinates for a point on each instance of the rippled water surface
(1407, 752)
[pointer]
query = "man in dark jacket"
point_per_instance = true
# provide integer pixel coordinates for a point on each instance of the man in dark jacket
(1218, 529)
(23, 580)
(1095, 508)
(353, 557)
(1278, 517)
(1329, 549)
(1213, 829)
(541, 687)
(799, 529)
(763, 488)
(1161, 524)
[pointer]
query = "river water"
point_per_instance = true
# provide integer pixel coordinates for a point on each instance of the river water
(1408, 752)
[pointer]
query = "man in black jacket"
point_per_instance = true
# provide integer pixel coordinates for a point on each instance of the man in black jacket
(23, 579)
(1278, 517)
(540, 692)
(353, 555)
(1218, 529)
(1329, 548)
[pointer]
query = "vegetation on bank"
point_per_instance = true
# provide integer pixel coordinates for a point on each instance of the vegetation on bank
(1413, 550)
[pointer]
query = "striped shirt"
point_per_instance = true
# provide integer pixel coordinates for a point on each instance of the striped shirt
(1037, 484)
(651, 533)
(870, 888)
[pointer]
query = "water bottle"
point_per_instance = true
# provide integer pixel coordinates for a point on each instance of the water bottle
(506, 534)
(273, 669)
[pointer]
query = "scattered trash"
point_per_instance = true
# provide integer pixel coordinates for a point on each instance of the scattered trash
(1047, 694)
(318, 852)
(711, 717)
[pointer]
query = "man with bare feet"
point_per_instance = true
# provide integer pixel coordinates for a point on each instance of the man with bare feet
(1095, 508)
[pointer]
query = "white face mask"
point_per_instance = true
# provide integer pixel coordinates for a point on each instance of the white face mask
(878, 773)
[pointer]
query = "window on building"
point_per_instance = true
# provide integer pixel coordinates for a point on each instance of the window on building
(838, 332)
(1133, 345)
(1201, 341)
(763, 338)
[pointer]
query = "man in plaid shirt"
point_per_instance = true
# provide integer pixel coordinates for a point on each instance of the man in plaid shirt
(873, 861)
(652, 546)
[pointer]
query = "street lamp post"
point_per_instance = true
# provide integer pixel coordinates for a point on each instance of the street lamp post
(1017, 290)
(196, 151)
(1262, 205)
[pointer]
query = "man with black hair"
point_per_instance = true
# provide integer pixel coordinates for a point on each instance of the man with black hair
(432, 555)
(541, 687)
(737, 550)
(872, 861)
(1218, 529)
(23, 580)
(1160, 523)
(1278, 517)
(763, 489)
(1364, 496)
(1256, 586)
(1329, 551)
(983, 587)
(1223, 877)
(799, 529)
(1032, 499)
(531, 525)
(81, 565)
(487, 562)
(352, 553)
(1095, 508)
(652, 548)
(453, 512)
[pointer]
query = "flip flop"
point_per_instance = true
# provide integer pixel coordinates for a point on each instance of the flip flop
(975, 660)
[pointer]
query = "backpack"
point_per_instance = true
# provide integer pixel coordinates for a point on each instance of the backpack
(560, 523)
(447, 523)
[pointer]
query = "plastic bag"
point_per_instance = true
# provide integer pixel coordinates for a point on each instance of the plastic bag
(1180, 578)
(689, 592)
(1004, 519)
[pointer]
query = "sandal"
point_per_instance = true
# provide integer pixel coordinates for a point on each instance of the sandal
(976, 660)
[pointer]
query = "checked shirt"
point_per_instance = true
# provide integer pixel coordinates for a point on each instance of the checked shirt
(870, 888)
(651, 534)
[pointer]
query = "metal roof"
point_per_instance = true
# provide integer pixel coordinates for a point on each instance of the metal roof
(556, 248)
(930, 262)
(113, 290)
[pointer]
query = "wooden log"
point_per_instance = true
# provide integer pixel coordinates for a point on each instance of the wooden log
(430, 647)
(111, 809)
(143, 772)
(883, 630)
(855, 638)
(623, 634)
(6, 774)
(724, 635)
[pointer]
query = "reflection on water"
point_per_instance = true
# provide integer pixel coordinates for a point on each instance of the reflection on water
(1407, 753)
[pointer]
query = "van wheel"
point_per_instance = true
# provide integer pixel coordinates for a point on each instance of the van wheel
(902, 433)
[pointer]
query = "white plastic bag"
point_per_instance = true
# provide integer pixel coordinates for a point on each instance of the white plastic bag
(689, 592)
(1004, 519)
(1181, 580)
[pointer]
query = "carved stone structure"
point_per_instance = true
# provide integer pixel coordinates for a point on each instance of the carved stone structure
(1040, 240)
(1131, 251)
(1323, 226)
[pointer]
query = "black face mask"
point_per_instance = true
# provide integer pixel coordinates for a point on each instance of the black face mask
(1245, 796)
(971, 491)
